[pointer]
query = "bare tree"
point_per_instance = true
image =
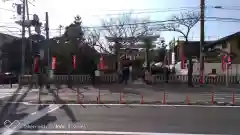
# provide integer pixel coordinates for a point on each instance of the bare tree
(183, 24)
(94, 39)
(126, 26)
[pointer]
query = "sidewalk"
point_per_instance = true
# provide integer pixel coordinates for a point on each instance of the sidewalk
(135, 92)
(128, 98)
(139, 93)
(196, 88)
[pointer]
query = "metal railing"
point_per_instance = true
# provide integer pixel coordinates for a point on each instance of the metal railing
(113, 78)
(207, 79)
(76, 79)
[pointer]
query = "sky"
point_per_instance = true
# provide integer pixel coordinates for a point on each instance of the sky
(62, 12)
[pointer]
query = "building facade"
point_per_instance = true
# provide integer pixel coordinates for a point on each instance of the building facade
(214, 50)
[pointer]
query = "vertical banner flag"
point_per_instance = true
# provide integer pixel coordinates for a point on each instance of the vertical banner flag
(74, 61)
(183, 59)
(223, 63)
(53, 62)
(101, 63)
(228, 61)
(35, 64)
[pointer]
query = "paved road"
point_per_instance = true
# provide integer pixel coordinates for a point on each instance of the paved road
(168, 119)
(130, 94)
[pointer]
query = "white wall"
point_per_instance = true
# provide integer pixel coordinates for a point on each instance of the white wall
(234, 69)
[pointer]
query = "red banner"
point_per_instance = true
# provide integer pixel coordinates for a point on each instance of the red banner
(74, 61)
(229, 60)
(53, 63)
(35, 65)
(183, 59)
(101, 63)
(223, 63)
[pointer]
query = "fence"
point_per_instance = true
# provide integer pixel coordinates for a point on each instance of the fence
(76, 79)
(113, 78)
(184, 78)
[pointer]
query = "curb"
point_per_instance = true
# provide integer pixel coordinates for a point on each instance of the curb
(137, 102)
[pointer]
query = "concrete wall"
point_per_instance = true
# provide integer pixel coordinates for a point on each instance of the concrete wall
(233, 70)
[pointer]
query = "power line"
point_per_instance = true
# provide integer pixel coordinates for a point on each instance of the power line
(144, 12)
(7, 9)
(155, 23)
(165, 21)
(149, 23)
(153, 10)
(189, 7)
(225, 7)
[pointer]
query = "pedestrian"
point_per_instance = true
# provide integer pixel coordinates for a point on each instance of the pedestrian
(94, 72)
(166, 72)
(40, 81)
(125, 70)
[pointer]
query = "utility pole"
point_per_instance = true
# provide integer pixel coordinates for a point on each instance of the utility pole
(29, 33)
(47, 37)
(23, 38)
(202, 10)
(48, 50)
(60, 30)
(29, 28)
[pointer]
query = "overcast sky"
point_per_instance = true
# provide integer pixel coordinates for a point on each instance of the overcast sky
(61, 12)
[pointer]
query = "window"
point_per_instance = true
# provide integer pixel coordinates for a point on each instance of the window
(214, 71)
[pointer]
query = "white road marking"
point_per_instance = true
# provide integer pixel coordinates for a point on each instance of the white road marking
(5, 96)
(31, 118)
(102, 132)
(6, 93)
(218, 98)
(136, 105)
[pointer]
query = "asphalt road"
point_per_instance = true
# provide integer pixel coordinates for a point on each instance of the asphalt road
(130, 94)
(126, 119)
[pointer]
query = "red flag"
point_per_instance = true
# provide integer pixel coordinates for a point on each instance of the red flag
(229, 59)
(223, 63)
(35, 64)
(183, 62)
(74, 61)
(53, 62)
(101, 63)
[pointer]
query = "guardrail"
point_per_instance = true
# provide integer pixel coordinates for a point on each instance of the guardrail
(113, 78)
(76, 79)
(97, 96)
(184, 78)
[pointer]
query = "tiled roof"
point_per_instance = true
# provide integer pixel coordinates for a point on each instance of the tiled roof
(221, 40)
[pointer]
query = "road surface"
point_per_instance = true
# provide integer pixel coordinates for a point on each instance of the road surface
(125, 120)
(89, 94)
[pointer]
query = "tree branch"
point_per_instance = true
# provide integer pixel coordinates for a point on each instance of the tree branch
(182, 23)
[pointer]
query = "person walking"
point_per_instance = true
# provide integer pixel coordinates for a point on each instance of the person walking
(125, 71)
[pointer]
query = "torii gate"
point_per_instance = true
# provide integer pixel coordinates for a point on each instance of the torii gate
(148, 39)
